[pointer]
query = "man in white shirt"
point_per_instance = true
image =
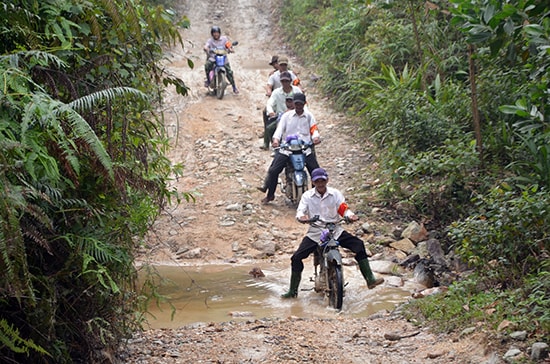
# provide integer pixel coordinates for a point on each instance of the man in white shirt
(330, 205)
(276, 105)
(298, 122)
(274, 81)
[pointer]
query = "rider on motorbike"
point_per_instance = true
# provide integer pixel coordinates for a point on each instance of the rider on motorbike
(217, 41)
(276, 105)
(329, 204)
(274, 81)
(298, 122)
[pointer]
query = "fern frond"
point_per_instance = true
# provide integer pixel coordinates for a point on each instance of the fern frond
(16, 273)
(83, 130)
(88, 102)
(10, 337)
(32, 57)
(111, 9)
(30, 232)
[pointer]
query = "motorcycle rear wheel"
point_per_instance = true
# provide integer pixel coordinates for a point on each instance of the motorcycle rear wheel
(336, 286)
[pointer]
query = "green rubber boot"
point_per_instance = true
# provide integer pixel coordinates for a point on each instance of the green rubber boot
(368, 275)
(269, 130)
(295, 278)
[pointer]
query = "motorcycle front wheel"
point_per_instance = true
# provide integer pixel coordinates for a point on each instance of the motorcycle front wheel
(221, 84)
(336, 286)
(297, 192)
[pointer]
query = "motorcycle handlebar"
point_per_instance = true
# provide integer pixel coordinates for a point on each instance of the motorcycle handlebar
(303, 146)
(317, 219)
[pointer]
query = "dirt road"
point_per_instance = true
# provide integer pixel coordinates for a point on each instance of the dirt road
(218, 143)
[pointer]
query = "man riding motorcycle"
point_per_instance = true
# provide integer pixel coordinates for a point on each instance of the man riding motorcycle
(217, 41)
(298, 122)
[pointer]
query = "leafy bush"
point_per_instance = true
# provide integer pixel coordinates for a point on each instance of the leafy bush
(83, 172)
(468, 303)
(507, 238)
(400, 113)
(442, 180)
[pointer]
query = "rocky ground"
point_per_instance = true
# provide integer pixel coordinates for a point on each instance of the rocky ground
(218, 142)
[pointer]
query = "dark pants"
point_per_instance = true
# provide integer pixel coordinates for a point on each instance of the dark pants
(308, 246)
(278, 164)
(209, 65)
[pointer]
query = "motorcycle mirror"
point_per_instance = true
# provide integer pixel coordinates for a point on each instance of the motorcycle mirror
(235, 43)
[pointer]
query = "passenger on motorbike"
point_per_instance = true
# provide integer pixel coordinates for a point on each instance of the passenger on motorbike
(276, 105)
(329, 204)
(270, 128)
(298, 122)
(217, 41)
(274, 63)
(274, 81)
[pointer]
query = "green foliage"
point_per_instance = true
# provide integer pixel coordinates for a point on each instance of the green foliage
(11, 339)
(401, 69)
(399, 114)
(506, 239)
(469, 303)
(460, 307)
(83, 171)
(442, 180)
(532, 164)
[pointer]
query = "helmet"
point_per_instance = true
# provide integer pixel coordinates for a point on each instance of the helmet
(215, 29)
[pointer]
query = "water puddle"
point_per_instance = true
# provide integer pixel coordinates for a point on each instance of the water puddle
(217, 293)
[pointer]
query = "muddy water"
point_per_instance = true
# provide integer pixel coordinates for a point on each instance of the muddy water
(217, 293)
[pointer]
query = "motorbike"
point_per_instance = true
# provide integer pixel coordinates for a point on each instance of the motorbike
(217, 76)
(327, 263)
(296, 178)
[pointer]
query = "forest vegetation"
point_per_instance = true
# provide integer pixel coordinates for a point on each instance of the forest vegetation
(83, 170)
(455, 94)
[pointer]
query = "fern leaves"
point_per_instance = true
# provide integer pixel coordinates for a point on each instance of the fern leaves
(10, 337)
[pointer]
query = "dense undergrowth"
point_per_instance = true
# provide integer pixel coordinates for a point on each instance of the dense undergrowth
(83, 171)
(455, 96)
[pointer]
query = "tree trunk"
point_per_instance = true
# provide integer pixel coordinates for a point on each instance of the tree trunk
(475, 109)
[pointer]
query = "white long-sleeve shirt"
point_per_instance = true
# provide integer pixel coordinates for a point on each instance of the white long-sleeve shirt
(277, 101)
(330, 207)
(304, 126)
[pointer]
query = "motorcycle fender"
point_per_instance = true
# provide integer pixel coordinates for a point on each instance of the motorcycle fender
(300, 178)
(298, 161)
(334, 255)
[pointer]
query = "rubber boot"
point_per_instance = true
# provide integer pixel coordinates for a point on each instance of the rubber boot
(368, 275)
(295, 278)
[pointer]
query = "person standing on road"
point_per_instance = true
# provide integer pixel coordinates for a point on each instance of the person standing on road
(217, 41)
(330, 205)
(300, 123)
